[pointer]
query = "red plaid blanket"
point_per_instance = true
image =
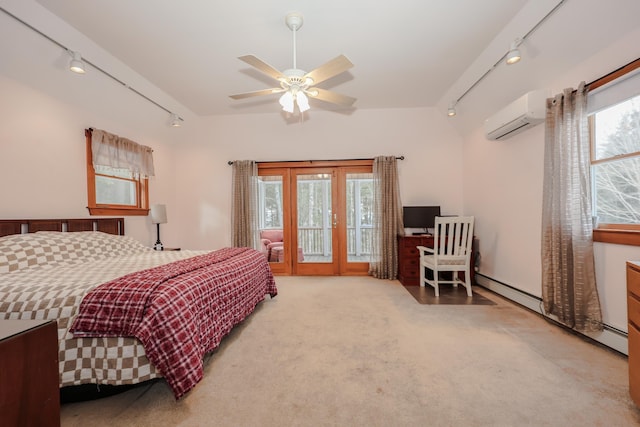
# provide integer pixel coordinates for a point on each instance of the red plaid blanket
(179, 311)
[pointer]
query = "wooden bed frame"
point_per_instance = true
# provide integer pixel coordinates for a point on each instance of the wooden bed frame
(22, 226)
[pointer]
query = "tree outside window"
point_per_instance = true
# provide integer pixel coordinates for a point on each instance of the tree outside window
(616, 163)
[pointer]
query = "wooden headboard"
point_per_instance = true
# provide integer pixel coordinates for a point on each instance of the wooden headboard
(20, 226)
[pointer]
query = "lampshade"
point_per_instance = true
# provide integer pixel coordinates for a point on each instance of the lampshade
(302, 101)
(286, 100)
(158, 214)
(175, 121)
(76, 65)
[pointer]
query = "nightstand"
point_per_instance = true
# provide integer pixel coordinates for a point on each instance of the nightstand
(29, 379)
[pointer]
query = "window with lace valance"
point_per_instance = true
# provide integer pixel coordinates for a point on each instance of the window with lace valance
(118, 172)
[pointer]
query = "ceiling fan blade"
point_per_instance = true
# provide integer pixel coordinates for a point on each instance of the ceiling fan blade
(262, 66)
(257, 93)
(332, 68)
(333, 97)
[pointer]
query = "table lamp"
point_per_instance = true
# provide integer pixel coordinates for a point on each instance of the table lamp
(158, 216)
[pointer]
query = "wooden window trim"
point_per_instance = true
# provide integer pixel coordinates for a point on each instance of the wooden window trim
(142, 191)
(627, 236)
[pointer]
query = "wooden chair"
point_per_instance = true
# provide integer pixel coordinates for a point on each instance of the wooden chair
(451, 252)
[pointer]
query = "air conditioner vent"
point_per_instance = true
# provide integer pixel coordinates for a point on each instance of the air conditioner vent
(523, 113)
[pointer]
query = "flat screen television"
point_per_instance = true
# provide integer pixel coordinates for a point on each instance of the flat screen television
(422, 217)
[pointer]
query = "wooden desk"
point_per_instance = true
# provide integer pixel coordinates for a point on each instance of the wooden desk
(29, 379)
(409, 259)
(633, 316)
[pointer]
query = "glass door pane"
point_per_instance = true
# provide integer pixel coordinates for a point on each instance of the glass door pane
(314, 218)
(359, 216)
(271, 217)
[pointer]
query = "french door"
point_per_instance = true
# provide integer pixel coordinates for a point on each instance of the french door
(322, 211)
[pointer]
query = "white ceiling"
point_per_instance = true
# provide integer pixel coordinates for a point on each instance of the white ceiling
(406, 53)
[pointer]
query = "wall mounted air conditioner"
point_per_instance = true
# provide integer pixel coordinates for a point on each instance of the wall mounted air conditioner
(523, 113)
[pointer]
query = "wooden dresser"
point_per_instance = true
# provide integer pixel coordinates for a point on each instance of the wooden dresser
(409, 258)
(633, 316)
(29, 379)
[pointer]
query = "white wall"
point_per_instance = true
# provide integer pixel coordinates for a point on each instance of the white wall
(503, 189)
(42, 157)
(431, 147)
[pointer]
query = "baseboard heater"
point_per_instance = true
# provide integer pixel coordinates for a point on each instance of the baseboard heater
(611, 337)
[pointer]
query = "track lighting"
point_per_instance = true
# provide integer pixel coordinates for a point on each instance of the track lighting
(176, 121)
(510, 57)
(76, 65)
(514, 55)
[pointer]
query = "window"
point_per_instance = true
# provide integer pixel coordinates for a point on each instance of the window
(615, 157)
(616, 163)
(270, 200)
(115, 190)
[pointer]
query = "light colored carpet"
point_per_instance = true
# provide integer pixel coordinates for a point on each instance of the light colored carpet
(356, 351)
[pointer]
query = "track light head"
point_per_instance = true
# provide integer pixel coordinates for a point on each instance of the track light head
(76, 65)
(176, 121)
(514, 55)
(451, 111)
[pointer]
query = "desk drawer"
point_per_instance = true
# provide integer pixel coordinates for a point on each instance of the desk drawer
(633, 279)
(411, 272)
(409, 254)
(633, 309)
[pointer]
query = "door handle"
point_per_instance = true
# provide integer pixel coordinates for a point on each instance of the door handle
(335, 220)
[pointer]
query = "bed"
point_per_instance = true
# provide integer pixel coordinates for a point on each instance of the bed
(126, 313)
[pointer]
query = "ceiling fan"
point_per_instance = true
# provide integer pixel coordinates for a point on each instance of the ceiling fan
(297, 84)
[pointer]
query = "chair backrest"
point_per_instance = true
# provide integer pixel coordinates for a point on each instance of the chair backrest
(453, 238)
(273, 235)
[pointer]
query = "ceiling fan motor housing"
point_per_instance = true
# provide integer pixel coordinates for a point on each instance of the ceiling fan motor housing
(293, 21)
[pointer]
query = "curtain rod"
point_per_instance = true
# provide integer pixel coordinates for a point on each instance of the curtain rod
(230, 162)
(601, 81)
(106, 73)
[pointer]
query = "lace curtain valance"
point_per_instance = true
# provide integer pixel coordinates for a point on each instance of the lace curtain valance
(121, 153)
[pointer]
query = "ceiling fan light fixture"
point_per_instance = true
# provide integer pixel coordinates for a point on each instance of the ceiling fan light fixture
(302, 101)
(286, 100)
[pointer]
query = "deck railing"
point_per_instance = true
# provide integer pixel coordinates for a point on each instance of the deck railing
(317, 240)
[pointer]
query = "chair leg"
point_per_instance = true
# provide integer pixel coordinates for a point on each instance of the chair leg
(467, 281)
(436, 286)
(422, 276)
